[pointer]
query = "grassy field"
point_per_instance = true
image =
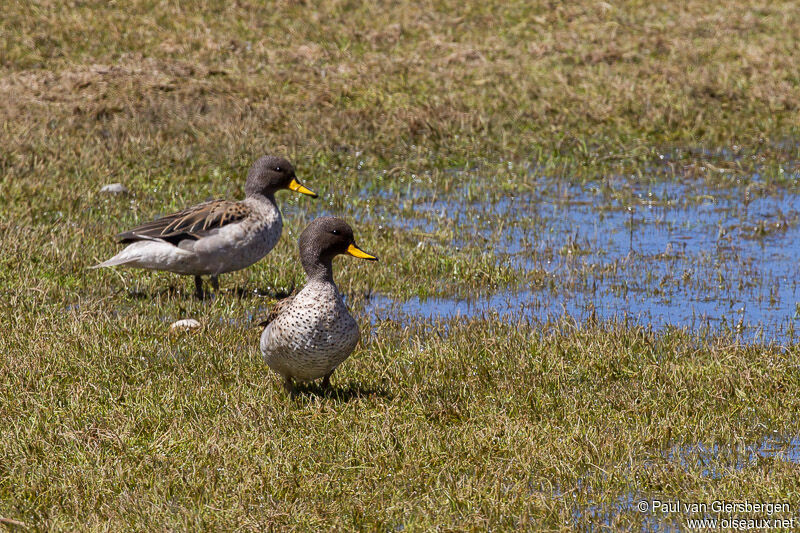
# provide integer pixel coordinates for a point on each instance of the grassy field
(108, 421)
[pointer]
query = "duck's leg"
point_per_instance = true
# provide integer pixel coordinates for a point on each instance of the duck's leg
(326, 381)
(288, 385)
(214, 282)
(198, 287)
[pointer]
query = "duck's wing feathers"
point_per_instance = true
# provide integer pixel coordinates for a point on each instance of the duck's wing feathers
(275, 311)
(192, 223)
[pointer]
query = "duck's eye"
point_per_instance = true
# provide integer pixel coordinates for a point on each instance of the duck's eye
(277, 169)
(335, 231)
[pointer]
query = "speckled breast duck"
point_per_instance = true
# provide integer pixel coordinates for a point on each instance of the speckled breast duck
(214, 237)
(308, 335)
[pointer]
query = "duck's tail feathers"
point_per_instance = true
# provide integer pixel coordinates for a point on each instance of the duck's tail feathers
(130, 254)
(120, 259)
(153, 254)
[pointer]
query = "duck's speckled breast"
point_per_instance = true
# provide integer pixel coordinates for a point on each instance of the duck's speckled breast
(311, 337)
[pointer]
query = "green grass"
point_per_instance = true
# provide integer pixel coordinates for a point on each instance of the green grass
(110, 422)
(456, 425)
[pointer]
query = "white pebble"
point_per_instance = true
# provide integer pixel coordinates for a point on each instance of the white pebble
(114, 188)
(185, 324)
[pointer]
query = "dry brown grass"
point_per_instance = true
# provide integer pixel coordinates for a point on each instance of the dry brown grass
(452, 80)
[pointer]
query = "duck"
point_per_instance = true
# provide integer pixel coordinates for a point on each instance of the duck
(217, 236)
(308, 335)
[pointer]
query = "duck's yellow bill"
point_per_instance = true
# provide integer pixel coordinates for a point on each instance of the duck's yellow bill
(299, 187)
(355, 251)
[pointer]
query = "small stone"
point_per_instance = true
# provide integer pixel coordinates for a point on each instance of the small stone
(185, 324)
(114, 188)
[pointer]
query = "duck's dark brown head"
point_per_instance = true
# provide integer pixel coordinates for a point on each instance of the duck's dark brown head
(322, 240)
(270, 174)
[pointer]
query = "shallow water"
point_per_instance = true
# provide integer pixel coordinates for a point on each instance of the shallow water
(717, 461)
(714, 461)
(669, 253)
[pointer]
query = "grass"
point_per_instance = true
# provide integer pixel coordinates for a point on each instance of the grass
(400, 115)
(460, 425)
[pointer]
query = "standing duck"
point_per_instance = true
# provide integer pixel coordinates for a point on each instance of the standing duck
(309, 334)
(214, 237)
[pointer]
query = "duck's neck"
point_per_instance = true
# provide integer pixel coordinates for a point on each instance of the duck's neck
(318, 268)
(263, 198)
